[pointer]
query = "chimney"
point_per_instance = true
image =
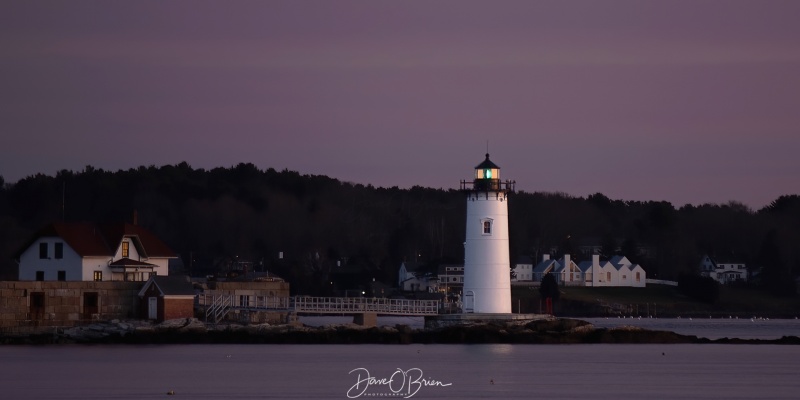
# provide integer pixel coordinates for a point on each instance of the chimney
(545, 257)
(566, 260)
(595, 259)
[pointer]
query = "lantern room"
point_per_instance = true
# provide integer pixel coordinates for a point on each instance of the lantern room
(487, 170)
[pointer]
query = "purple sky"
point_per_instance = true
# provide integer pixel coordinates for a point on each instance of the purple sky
(684, 101)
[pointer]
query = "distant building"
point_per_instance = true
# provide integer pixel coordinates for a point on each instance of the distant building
(167, 297)
(618, 271)
(544, 267)
(523, 270)
(451, 278)
(724, 272)
(93, 252)
(411, 277)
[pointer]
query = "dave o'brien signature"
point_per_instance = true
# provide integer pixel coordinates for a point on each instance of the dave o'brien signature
(402, 383)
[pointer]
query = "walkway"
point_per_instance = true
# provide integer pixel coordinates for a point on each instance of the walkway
(218, 305)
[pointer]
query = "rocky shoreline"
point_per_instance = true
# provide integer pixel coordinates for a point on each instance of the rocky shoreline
(193, 331)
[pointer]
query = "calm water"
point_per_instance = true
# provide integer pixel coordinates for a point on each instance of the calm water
(322, 371)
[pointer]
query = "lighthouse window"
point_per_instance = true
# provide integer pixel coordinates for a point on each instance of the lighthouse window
(487, 227)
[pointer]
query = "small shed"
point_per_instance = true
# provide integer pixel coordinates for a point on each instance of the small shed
(167, 297)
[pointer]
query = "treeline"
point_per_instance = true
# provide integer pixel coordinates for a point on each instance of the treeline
(211, 217)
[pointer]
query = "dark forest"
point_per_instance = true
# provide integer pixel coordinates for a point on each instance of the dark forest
(319, 224)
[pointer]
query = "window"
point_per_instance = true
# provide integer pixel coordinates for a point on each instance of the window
(62, 275)
(125, 248)
(487, 227)
(39, 275)
(244, 301)
(42, 250)
(638, 278)
(98, 276)
(59, 250)
(608, 276)
(624, 277)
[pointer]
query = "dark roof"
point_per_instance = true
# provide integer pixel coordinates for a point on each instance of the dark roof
(127, 262)
(524, 260)
(487, 164)
(90, 239)
(170, 285)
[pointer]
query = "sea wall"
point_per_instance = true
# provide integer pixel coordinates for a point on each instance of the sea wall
(34, 306)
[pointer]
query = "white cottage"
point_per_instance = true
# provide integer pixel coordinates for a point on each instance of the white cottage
(523, 270)
(618, 271)
(568, 273)
(93, 252)
(724, 271)
(564, 270)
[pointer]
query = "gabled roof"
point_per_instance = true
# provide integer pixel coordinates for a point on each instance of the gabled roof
(90, 239)
(619, 260)
(169, 286)
(544, 265)
(585, 266)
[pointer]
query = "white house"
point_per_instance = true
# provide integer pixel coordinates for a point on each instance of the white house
(723, 272)
(628, 274)
(523, 270)
(618, 271)
(568, 273)
(451, 276)
(410, 277)
(93, 252)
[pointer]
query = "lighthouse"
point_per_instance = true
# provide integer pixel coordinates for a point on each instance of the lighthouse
(487, 275)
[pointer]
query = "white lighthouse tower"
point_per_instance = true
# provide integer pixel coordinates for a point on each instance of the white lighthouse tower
(487, 275)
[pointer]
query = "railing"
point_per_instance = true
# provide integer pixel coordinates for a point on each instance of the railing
(218, 305)
(365, 304)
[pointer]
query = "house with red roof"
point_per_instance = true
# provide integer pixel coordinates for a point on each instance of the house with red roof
(69, 251)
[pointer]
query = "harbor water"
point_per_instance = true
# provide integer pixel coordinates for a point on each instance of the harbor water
(598, 371)
(708, 371)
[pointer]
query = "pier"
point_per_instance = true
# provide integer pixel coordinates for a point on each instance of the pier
(364, 309)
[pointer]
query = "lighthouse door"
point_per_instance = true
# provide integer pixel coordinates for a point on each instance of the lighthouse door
(469, 302)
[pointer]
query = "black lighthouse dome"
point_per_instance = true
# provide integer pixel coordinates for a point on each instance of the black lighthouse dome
(487, 175)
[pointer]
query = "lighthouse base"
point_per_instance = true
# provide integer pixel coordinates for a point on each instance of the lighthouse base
(445, 320)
